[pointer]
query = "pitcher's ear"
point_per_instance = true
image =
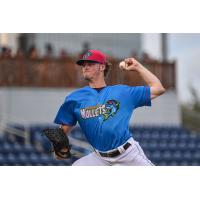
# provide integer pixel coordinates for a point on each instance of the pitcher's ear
(102, 67)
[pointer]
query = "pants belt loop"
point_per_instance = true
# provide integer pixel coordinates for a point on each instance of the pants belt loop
(121, 149)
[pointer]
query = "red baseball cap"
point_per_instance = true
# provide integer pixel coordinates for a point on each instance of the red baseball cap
(92, 55)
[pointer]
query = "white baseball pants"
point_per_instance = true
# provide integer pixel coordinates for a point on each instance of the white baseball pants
(133, 156)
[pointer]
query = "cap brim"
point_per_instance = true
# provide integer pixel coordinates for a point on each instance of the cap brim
(80, 62)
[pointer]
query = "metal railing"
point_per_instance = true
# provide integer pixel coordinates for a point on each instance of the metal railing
(7, 126)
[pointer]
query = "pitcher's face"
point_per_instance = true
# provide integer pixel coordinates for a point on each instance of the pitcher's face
(91, 70)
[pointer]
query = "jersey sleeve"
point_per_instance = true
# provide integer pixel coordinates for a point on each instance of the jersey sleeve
(139, 96)
(66, 114)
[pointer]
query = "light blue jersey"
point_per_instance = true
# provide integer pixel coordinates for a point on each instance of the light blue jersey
(104, 116)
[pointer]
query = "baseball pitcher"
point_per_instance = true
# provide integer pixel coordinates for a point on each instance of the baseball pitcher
(103, 112)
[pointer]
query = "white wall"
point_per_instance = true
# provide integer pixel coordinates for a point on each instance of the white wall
(40, 106)
(151, 44)
(30, 105)
(165, 110)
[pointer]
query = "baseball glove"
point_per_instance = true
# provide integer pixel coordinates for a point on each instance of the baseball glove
(59, 142)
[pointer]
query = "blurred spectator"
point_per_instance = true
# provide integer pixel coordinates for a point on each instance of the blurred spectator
(85, 48)
(63, 54)
(48, 50)
(19, 54)
(146, 57)
(134, 54)
(33, 53)
(6, 52)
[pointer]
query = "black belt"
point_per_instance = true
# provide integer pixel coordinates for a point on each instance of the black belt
(115, 152)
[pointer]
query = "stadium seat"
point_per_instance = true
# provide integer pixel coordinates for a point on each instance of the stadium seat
(3, 160)
(162, 145)
(146, 135)
(191, 146)
(174, 136)
(156, 157)
(162, 163)
(1, 140)
(33, 159)
(167, 155)
(182, 145)
(172, 146)
(43, 159)
(164, 136)
(173, 163)
(28, 149)
(43, 142)
(177, 156)
(184, 163)
(6, 148)
(195, 163)
(23, 159)
(144, 144)
(11, 159)
(137, 135)
(196, 156)
(152, 145)
(16, 148)
(155, 135)
(183, 136)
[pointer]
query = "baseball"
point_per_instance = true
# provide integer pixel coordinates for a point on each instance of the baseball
(122, 65)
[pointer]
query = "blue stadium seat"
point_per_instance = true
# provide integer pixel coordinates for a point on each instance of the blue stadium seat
(28, 149)
(43, 142)
(137, 135)
(172, 146)
(6, 148)
(152, 145)
(173, 163)
(198, 145)
(23, 159)
(155, 135)
(52, 161)
(183, 136)
(162, 145)
(144, 144)
(3, 160)
(145, 135)
(182, 145)
(156, 157)
(184, 163)
(167, 156)
(191, 146)
(44, 159)
(16, 148)
(196, 156)
(33, 159)
(162, 163)
(64, 162)
(177, 156)
(165, 136)
(1, 140)
(11, 159)
(174, 135)
(195, 163)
